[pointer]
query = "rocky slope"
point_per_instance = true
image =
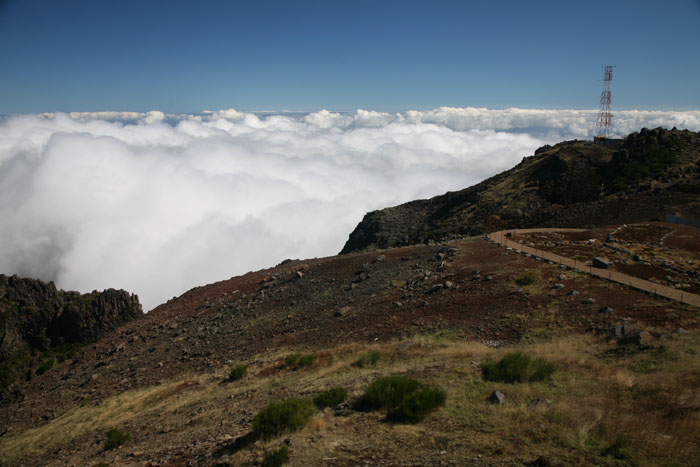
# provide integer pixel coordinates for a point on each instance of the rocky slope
(433, 312)
(576, 183)
(39, 323)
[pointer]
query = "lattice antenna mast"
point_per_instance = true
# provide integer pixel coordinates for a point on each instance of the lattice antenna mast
(604, 116)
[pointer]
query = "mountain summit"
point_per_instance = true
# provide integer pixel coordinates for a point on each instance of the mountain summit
(644, 177)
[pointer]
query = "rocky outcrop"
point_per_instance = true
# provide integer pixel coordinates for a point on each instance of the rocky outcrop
(641, 178)
(35, 316)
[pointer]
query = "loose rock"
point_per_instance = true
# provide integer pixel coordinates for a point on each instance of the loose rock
(496, 398)
(601, 263)
(538, 404)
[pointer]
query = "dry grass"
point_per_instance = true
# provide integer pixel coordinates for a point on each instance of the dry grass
(317, 423)
(650, 398)
(111, 412)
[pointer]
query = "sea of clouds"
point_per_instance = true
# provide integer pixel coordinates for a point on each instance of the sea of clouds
(157, 204)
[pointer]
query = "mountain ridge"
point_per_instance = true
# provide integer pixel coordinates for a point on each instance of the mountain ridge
(643, 177)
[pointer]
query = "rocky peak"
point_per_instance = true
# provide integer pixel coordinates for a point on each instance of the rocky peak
(35, 316)
(579, 183)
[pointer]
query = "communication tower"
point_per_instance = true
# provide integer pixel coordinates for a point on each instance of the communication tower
(604, 115)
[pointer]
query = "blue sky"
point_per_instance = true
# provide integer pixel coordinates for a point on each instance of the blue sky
(184, 56)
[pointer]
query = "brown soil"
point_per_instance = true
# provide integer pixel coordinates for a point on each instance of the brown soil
(684, 238)
(668, 254)
(644, 233)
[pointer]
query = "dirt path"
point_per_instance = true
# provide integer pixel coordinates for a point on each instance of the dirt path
(501, 238)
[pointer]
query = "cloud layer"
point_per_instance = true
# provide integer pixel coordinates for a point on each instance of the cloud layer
(157, 204)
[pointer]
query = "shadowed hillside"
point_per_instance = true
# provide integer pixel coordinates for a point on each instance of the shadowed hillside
(576, 183)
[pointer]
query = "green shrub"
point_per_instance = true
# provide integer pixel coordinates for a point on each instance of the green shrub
(115, 438)
(619, 449)
(306, 360)
(402, 398)
(528, 278)
(516, 367)
(292, 359)
(416, 406)
(388, 392)
(367, 359)
(296, 360)
(276, 458)
(649, 163)
(237, 372)
(46, 366)
(65, 352)
(331, 397)
(14, 368)
(7, 376)
(284, 416)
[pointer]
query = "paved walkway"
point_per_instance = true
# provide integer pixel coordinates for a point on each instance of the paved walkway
(634, 282)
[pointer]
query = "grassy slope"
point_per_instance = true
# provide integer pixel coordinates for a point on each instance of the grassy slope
(599, 393)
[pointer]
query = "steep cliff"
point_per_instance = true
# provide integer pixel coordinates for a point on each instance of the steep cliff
(39, 323)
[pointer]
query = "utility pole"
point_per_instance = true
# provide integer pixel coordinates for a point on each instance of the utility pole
(604, 120)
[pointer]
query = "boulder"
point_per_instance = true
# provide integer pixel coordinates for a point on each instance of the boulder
(342, 311)
(496, 398)
(638, 338)
(627, 329)
(538, 404)
(601, 263)
(644, 338)
(630, 333)
(541, 461)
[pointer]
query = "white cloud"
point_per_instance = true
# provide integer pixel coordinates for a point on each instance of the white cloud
(564, 124)
(326, 119)
(228, 114)
(157, 204)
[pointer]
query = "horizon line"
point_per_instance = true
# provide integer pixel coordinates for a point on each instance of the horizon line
(291, 111)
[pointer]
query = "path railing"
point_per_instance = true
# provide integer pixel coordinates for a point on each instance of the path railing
(502, 238)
